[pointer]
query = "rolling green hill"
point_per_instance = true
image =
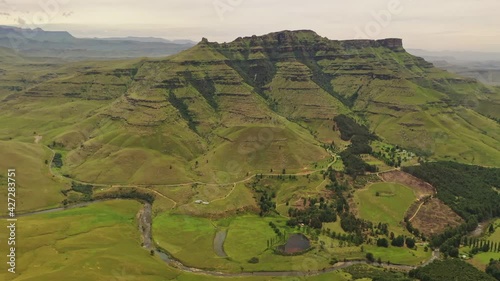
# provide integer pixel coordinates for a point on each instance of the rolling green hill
(217, 112)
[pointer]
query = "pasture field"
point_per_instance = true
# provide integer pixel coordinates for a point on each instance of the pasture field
(495, 236)
(100, 242)
(396, 255)
(223, 202)
(247, 237)
(481, 260)
(384, 202)
(36, 187)
(189, 239)
(399, 255)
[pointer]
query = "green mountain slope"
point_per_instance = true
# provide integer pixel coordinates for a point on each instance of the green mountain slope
(217, 112)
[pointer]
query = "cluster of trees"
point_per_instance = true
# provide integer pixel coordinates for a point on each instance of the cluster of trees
(382, 229)
(284, 177)
(399, 241)
(275, 229)
(449, 269)
(413, 230)
(278, 239)
(467, 189)
(57, 160)
(348, 238)
(390, 156)
(359, 272)
(349, 128)
(315, 214)
(266, 203)
(448, 242)
(181, 106)
(479, 245)
(360, 138)
(205, 86)
(85, 189)
(350, 223)
(493, 268)
(127, 193)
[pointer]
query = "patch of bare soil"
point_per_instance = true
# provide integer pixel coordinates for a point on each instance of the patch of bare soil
(433, 217)
(422, 189)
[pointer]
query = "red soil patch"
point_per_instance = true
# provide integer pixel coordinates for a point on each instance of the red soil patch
(433, 217)
(422, 189)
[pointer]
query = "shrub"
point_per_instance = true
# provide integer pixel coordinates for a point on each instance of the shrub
(253, 260)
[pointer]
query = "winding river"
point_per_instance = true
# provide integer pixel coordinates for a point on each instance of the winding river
(144, 218)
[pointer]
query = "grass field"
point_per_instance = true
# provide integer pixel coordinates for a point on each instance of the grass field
(36, 187)
(399, 255)
(223, 202)
(100, 242)
(481, 260)
(495, 236)
(389, 207)
(189, 239)
(247, 237)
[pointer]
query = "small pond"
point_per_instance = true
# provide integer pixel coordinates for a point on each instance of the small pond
(219, 239)
(296, 243)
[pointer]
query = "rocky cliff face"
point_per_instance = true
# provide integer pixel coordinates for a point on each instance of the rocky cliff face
(218, 103)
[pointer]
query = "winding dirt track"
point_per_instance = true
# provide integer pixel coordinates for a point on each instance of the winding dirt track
(144, 218)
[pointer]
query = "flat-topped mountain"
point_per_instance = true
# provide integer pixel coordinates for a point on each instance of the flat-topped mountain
(220, 111)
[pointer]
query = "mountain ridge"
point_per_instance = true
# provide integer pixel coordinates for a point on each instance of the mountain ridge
(219, 111)
(61, 44)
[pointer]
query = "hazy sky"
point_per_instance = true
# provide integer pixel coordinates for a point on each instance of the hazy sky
(427, 24)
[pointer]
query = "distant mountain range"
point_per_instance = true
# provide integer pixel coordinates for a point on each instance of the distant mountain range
(456, 55)
(484, 67)
(150, 40)
(61, 44)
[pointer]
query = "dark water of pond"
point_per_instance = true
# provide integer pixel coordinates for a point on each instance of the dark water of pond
(296, 243)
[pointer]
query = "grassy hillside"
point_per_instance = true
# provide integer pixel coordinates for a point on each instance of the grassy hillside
(36, 187)
(217, 112)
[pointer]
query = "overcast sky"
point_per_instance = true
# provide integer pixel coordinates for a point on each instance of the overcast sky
(426, 24)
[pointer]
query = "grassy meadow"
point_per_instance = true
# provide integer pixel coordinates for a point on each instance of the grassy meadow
(385, 203)
(99, 242)
(36, 187)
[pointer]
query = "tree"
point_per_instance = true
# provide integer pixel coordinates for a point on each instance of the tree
(382, 242)
(453, 252)
(410, 243)
(493, 268)
(370, 257)
(254, 260)
(398, 241)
